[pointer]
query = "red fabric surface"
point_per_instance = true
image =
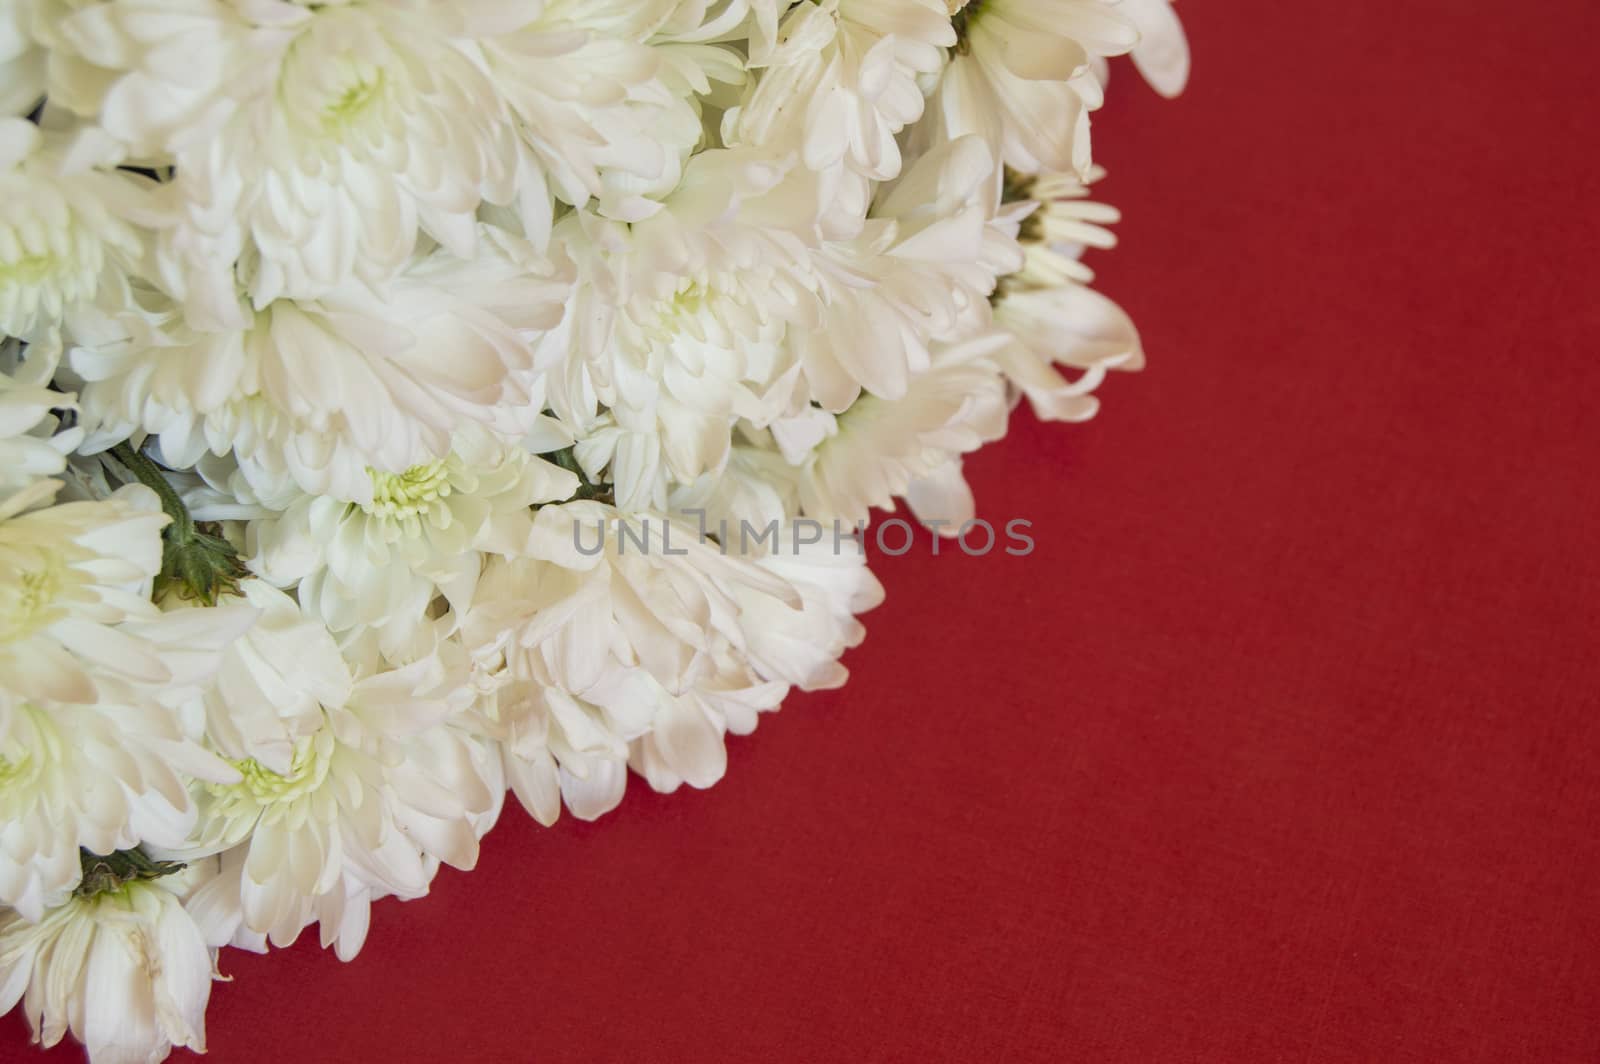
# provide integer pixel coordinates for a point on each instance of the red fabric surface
(1282, 746)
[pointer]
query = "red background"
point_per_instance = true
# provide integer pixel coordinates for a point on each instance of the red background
(1283, 746)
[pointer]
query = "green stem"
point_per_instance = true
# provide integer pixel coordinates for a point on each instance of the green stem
(149, 475)
(194, 563)
(567, 459)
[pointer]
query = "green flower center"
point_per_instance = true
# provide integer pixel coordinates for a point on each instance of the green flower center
(673, 317)
(347, 109)
(36, 262)
(14, 771)
(417, 489)
(25, 756)
(29, 270)
(26, 598)
(263, 786)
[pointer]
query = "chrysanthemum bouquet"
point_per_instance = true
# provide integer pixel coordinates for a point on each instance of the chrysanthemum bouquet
(405, 401)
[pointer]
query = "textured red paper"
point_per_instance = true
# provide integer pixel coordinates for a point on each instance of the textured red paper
(1283, 746)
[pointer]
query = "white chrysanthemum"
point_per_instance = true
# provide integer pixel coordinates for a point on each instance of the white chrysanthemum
(1057, 222)
(557, 748)
(381, 563)
(801, 647)
(67, 239)
(33, 57)
(352, 129)
(790, 640)
(600, 652)
(730, 306)
(316, 394)
(37, 60)
(757, 492)
(126, 971)
(1162, 54)
(377, 782)
(74, 593)
(877, 450)
(103, 777)
(677, 331)
(343, 915)
(758, 487)
(752, 24)
(1022, 78)
(593, 100)
(22, 61)
(921, 271)
(91, 754)
(1052, 316)
(842, 83)
(313, 142)
(597, 641)
(1071, 326)
(271, 684)
(31, 446)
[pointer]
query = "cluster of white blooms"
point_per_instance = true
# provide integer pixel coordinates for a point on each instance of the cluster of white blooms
(388, 389)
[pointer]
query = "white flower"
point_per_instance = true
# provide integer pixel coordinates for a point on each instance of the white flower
(70, 577)
(227, 907)
(600, 652)
(31, 446)
(801, 647)
(126, 971)
(343, 769)
(921, 270)
(67, 236)
(589, 645)
(843, 83)
(22, 62)
(1022, 77)
(45, 64)
(271, 684)
(317, 393)
(593, 100)
(876, 450)
(314, 142)
(730, 307)
(381, 563)
(792, 639)
(354, 128)
(1071, 326)
(744, 270)
(1059, 224)
(1162, 54)
(1053, 317)
(758, 487)
(33, 58)
(343, 915)
(555, 747)
(677, 331)
(91, 753)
